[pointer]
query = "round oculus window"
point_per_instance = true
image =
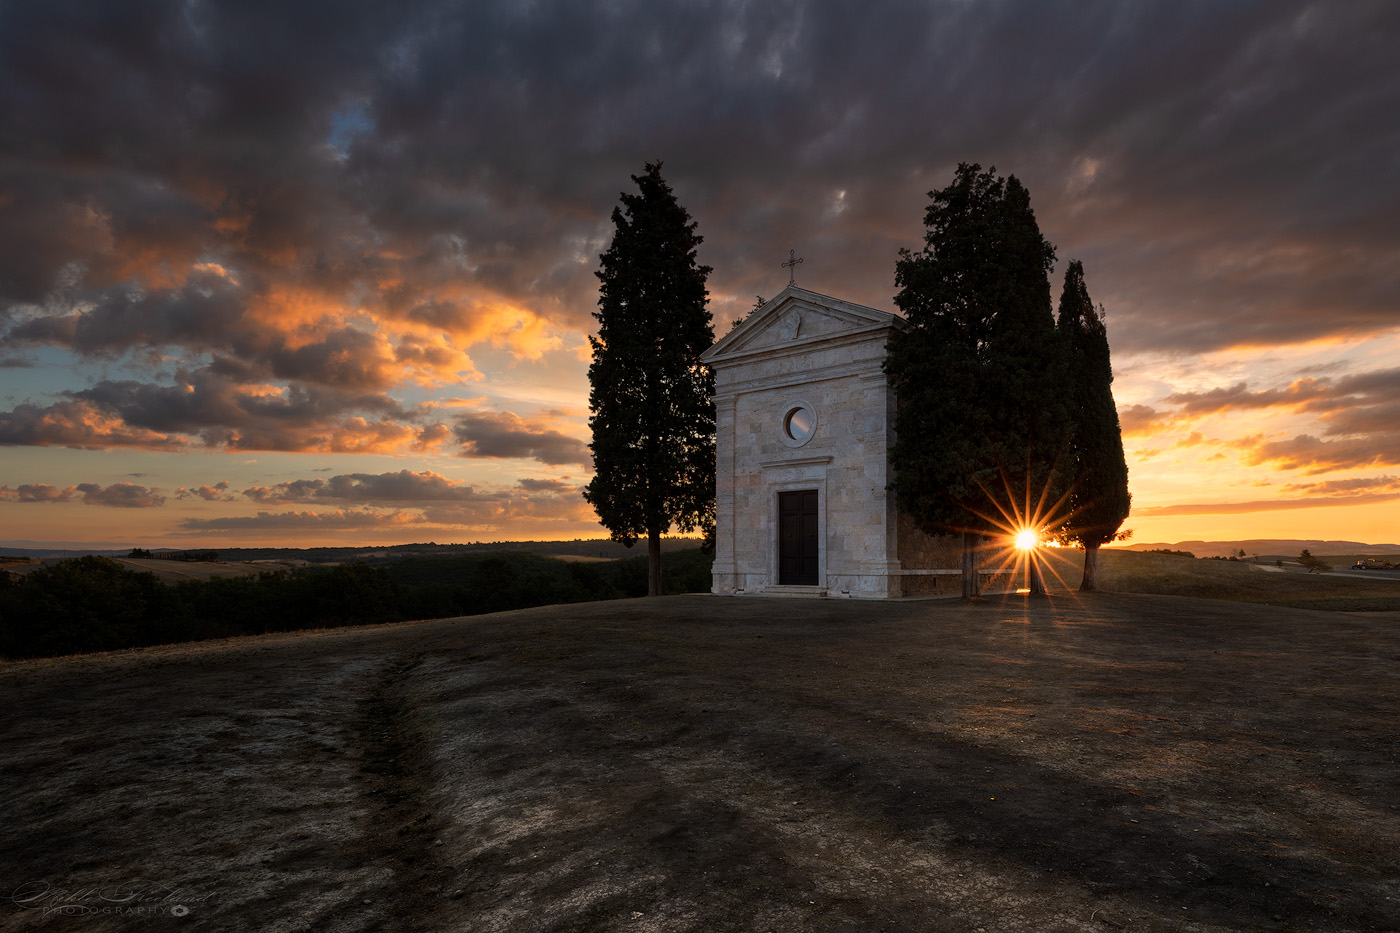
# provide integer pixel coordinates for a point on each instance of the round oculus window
(799, 423)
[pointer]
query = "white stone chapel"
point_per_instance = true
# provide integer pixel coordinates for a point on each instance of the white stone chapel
(804, 418)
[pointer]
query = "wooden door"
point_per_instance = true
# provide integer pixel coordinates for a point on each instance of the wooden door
(799, 538)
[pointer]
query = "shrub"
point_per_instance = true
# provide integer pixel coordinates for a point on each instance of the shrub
(88, 604)
(96, 604)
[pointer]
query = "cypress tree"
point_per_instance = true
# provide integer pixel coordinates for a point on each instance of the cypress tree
(653, 419)
(982, 422)
(1098, 498)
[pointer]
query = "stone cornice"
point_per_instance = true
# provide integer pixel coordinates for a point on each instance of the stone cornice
(858, 316)
(794, 462)
(804, 345)
(858, 368)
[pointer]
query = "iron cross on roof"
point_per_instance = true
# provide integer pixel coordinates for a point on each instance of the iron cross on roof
(791, 266)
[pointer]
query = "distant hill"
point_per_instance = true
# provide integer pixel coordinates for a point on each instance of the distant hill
(580, 547)
(1268, 547)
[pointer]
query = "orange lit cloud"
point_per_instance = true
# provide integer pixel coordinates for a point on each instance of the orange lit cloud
(211, 243)
(507, 435)
(367, 501)
(1313, 455)
(402, 488)
(77, 423)
(1140, 419)
(1262, 505)
(118, 495)
(219, 492)
(1238, 396)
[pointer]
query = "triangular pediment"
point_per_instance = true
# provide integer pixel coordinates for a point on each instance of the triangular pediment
(797, 316)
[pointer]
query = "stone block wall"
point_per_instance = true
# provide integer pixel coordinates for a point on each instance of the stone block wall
(814, 352)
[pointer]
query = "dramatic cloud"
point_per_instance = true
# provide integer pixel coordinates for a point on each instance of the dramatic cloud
(231, 226)
(1346, 487)
(1140, 419)
(1239, 396)
(546, 485)
(401, 488)
(504, 434)
(77, 423)
(1264, 505)
(319, 195)
(216, 493)
(37, 492)
(207, 409)
(119, 495)
(1312, 455)
(341, 520)
(404, 498)
(1359, 415)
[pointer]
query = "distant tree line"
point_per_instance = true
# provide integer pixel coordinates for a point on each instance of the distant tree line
(203, 556)
(95, 604)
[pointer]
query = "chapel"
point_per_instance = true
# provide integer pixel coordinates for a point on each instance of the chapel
(804, 418)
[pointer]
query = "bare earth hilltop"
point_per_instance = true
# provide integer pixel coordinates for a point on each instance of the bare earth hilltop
(695, 763)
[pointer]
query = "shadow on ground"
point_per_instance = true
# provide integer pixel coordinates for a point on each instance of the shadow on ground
(698, 763)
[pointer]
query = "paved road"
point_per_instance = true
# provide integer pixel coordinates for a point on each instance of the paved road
(1339, 572)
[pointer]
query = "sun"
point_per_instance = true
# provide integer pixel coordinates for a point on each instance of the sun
(1027, 539)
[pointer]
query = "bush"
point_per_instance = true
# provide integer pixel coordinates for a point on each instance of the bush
(88, 604)
(96, 604)
(1313, 564)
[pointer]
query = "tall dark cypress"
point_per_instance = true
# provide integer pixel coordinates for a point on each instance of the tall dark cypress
(1099, 500)
(982, 423)
(652, 417)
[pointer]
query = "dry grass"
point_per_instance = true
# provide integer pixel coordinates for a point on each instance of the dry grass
(1123, 571)
(1061, 765)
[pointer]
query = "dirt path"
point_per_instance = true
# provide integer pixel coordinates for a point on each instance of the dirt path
(695, 763)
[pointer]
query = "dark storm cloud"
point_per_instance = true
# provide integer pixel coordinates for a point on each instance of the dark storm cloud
(351, 195)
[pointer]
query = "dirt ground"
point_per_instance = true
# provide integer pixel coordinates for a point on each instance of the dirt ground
(700, 763)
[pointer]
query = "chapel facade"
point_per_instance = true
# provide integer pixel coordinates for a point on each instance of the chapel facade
(804, 420)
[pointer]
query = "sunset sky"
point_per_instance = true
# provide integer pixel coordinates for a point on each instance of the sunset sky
(322, 273)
